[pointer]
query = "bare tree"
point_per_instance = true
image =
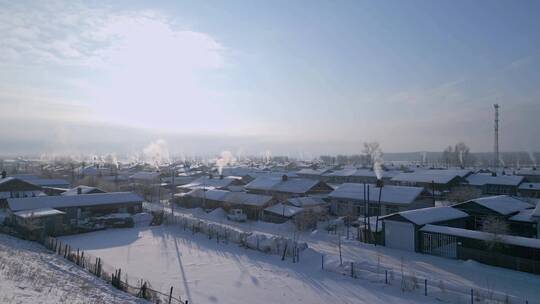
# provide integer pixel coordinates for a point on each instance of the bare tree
(370, 151)
(497, 227)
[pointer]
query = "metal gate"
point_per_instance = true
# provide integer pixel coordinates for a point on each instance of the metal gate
(439, 244)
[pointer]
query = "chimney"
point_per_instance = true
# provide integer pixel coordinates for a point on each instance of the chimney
(493, 173)
(210, 176)
(534, 168)
(221, 176)
(4, 174)
(79, 190)
(530, 185)
(284, 177)
(380, 183)
(503, 173)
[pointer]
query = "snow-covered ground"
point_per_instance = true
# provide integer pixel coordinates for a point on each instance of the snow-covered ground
(462, 275)
(466, 273)
(203, 271)
(31, 274)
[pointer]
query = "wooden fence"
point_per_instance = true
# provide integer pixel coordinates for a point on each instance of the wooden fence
(112, 275)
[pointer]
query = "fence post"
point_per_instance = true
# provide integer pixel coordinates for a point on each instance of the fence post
(322, 261)
(352, 269)
(425, 287)
(385, 276)
(170, 295)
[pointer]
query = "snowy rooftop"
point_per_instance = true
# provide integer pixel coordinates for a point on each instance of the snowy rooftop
(482, 179)
(240, 198)
(483, 236)
(390, 194)
(207, 182)
(530, 186)
(35, 213)
(306, 201)
(528, 172)
(27, 203)
(284, 210)
(502, 204)
(309, 171)
(433, 215)
(347, 172)
(84, 190)
(291, 185)
(428, 176)
(524, 216)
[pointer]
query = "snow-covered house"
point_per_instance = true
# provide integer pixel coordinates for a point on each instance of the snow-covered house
(284, 188)
(353, 175)
(529, 190)
(531, 175)
(75, 208)
(82, 189)
(44, 182)
(348, 199)
(495, 184)
(251, 204)
(211, 182)
(11, 187)
(436, 181)
(501, 206)
(401, 229)
(281, 213)
(312, 173)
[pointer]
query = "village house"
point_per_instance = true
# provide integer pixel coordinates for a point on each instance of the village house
(401, 229)
(11, 187)
(74, 210)
(437, 182)
(495, 184)
(500, 207)
(349, 199)
(531, 175)
(284, 188)
(531, 190)
(354, 175)
(210, 182)
(251, 204)
(82, 189)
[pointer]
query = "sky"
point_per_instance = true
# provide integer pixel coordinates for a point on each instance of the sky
(289, 77)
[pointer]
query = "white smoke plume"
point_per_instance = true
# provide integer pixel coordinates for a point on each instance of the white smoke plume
(377, 163)
(533, 158)
(226, 158)
(157, 153)
(112, 160)
(267, 156)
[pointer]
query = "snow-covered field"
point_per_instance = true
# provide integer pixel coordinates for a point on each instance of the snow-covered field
(461, 274)
(30, 274)
(203, 271)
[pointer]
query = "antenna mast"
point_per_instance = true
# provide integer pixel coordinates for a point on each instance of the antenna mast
(496, 139)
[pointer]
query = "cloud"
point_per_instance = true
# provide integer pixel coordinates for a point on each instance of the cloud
(126, 66)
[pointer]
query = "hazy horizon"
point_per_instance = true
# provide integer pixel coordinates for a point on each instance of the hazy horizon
(288, 77)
